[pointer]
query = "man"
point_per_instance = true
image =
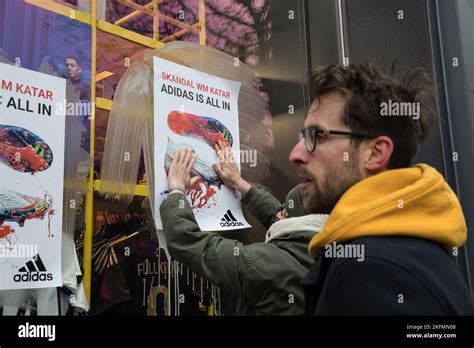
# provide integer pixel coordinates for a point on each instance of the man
(265, 277)
(387, 246)
(79, 93)
(73, 68)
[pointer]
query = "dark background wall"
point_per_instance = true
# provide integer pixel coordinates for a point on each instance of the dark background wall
(374, 33)
(466, 17)
(321, 32)
(430, 34)
(452, 46)
(465, 123)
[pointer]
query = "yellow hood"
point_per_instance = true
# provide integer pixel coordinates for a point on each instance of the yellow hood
(415, 202)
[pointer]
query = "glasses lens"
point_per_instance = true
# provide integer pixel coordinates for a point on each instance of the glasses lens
(310, 139)
(301, 134)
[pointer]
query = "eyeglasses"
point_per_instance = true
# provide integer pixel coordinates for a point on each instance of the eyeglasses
(311, 133)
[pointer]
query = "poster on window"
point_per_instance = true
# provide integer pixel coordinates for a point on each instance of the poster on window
(32, 133)
(194, 109)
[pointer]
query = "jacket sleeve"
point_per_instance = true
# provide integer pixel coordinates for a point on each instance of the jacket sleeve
(223, 261)
(263, 205)
(375, 287)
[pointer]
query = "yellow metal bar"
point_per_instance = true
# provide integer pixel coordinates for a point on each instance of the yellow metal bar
(62, 10)
(140, 190)
(159, 44)
(135, 6)
(173, 21)
(89, 208)
(202, 22)
(103, 75)
(102, 103)
(180, 33)
(128, 34)
(156, 21)
(146, 9)
(133, 14)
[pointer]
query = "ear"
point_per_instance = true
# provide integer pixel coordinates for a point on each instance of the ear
(379, 154)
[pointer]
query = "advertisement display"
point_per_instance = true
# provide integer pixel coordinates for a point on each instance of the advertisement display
(195, 109)
(32, 133)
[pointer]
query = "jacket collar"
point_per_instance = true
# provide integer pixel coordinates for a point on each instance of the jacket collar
(288, 226)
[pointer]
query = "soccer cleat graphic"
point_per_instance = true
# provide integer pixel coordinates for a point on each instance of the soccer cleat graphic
(201, 193)
(201, 168)
(17, 207)
(24, 151)
(206, 129)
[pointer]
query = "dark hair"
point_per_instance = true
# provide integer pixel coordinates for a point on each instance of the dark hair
(365, 88)
(75, 58)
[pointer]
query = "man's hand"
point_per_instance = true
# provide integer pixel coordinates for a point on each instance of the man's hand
(180, 169)
(228, 170)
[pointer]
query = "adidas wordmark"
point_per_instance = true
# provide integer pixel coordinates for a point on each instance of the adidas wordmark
(229, 220)
(33, 271)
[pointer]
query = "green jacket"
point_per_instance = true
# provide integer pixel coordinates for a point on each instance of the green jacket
(265, 277)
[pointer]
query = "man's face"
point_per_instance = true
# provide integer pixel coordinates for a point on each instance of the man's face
(333, 167)
(73, 70)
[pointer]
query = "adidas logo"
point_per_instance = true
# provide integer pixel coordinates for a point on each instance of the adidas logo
(229, 220)
(33, 271)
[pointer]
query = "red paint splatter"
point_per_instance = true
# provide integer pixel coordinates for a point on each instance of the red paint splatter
(5, 231)
(199, 198)
(50, 214)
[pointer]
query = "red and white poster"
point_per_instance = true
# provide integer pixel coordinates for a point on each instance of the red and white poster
(195, 109)
(32, 133)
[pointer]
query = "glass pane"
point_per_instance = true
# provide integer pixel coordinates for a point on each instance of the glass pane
(49, 42)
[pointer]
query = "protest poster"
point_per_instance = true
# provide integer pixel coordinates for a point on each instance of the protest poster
(32, 133)
(195, 109)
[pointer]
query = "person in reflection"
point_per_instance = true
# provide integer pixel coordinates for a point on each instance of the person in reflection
(73, 69)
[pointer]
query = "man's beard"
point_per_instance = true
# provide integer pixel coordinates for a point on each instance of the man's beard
(327, 193)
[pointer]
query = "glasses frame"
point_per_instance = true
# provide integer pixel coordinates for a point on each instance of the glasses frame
(311, 147)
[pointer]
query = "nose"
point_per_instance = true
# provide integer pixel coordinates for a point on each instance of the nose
(299, 155)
